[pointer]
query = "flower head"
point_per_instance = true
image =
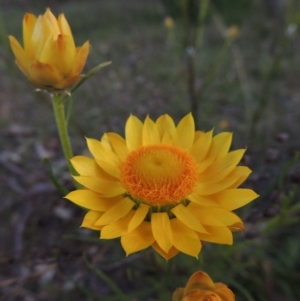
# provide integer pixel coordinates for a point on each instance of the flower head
(200, 287)
(165, 186)
(49, 57)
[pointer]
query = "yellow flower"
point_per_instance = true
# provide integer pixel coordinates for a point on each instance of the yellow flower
(49, 59)
(233, 32)
(224, 124)
(163, 186)
(200, 287)
(169, 22)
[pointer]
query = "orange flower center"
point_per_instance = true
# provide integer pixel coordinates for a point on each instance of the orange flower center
(159, 174)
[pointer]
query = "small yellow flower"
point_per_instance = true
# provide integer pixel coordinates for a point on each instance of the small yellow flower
(169, 22)
(49, 58)
(165, 186)
(200, 287)
(224, 124)
(233, 32)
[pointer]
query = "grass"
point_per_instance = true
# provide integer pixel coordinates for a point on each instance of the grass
(46, 257)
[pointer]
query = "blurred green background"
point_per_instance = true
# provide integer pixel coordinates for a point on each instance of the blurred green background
(248, 84)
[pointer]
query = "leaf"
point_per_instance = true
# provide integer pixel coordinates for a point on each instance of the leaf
(89, 74)
(54, 179)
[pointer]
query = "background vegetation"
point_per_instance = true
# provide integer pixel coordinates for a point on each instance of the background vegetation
(247, 84)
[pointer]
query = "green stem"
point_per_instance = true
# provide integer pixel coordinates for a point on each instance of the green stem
(165, 282)
(60, 118)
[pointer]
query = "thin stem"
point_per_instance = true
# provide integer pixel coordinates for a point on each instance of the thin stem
(60, 118)
(264, 98)
(69, 109)
(215, 67)
(191, 83)
(189, 43)
(165, 282)
(203, 11)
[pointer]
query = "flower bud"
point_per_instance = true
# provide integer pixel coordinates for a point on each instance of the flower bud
(200, 287)
(49, 57)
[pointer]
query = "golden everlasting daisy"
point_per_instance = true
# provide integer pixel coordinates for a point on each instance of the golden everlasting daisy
(163, 186)
(200, 287)
(49, 59)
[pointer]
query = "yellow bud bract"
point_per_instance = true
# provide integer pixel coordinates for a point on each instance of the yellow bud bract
(200, 287)
(49, 57)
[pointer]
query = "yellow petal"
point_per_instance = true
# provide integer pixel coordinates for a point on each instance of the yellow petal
(184, 238)
(108, 151)
(111, 169)
(150, 133)
(167, 255)
(89, 220)
(197, 135)
(86, 166)
(201, 146)
(185, 131)
(80, 58)
(105, 142)
(201, 295)
(133, 133)
(236, 227)
(220, 235)
(224, 292)
(199, 280)
(25, 72)
(118, 228)
(116, 212)
(44, 74)
(241, 173)
(165, 124)
(161, 230)
(119, 146)
(204, 165)
(67, 82)
(28, 27)
(91, 200)
(64, 26)
(138, 217)
(166, 139)
(220, 145)
(195, 198)
(213, 216)
(41, 33)
(232, 199)
(111, 136)
(221, 168)
(187, 218)
(101, 152)
(20, 55)
(209, 188)
(59, 53)
(138, 239)
(53, 21)
(95, 148)
(104, 187)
